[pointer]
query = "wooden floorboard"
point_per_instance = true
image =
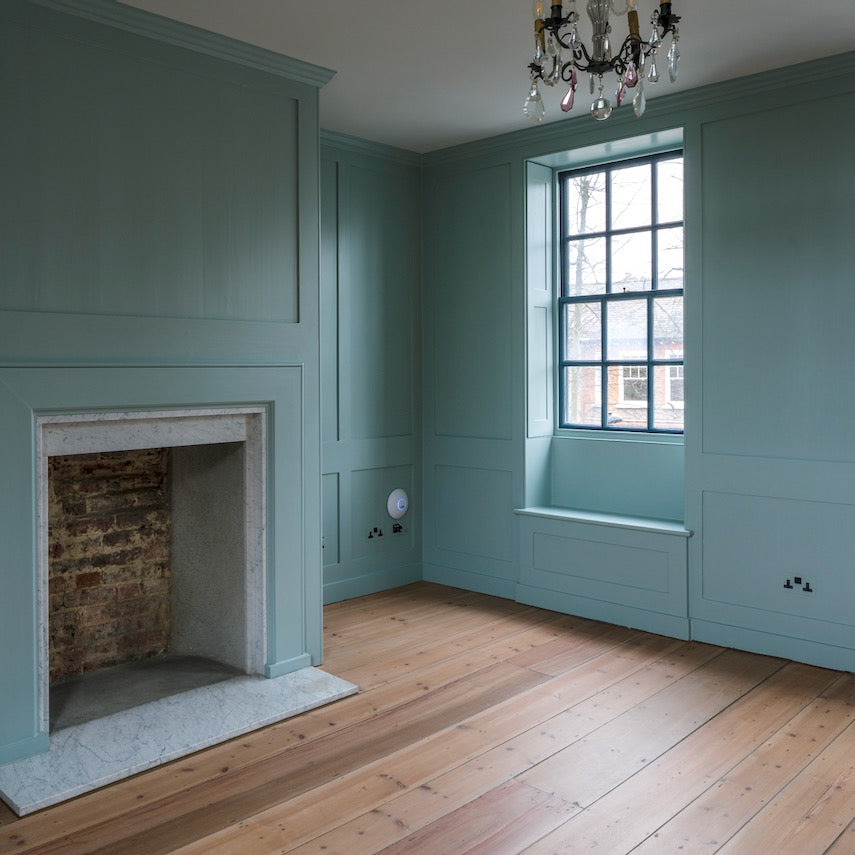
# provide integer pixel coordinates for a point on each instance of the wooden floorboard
(485, 726)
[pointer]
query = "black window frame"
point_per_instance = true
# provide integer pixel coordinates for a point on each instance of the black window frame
(610, 296)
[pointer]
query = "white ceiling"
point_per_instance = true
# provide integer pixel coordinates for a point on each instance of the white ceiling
(430, 74)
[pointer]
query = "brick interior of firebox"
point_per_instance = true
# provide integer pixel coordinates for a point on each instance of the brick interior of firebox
(109, 554)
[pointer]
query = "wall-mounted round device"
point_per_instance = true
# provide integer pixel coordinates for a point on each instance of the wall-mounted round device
(397, 504)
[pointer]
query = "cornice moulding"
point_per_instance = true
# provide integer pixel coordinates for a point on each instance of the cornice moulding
(142, 23)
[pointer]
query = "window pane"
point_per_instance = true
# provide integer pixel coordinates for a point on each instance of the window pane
(627, 330)
(670, 260)
(631, 197)
(670, 189)
(668, 328)
(583, 331)
(582, 394)
(586, 203)
(631, 263)
(586, 267)
(668, 396)
(627, 404)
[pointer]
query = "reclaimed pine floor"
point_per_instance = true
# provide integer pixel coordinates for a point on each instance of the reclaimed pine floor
(485, 726)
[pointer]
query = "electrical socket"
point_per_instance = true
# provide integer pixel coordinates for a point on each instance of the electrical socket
(797, 583)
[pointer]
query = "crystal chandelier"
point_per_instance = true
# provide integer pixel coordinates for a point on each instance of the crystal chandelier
(634, 62)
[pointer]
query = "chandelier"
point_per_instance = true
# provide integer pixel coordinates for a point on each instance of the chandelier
(559, 54)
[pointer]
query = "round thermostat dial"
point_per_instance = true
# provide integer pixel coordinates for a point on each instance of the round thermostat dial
(397, 504)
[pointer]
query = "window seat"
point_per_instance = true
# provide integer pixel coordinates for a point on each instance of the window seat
(634, 523)
(627, 570)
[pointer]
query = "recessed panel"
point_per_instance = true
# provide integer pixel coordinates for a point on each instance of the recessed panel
(473, 511)
(777, 287)
(331, 522)
(145, 188)
(779, 555)
(469, 301)
(374, 533)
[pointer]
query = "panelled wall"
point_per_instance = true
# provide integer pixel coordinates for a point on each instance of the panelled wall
(370, 363)
(763, 489)
(158, 249)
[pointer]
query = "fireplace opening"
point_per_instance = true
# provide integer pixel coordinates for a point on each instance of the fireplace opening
(124, 626)
(153, 557)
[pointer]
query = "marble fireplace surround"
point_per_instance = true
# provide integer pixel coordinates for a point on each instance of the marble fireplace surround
(84, 757)
(224, 621)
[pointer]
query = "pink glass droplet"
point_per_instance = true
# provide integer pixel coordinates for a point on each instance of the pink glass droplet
(567, 100)
(630, 78)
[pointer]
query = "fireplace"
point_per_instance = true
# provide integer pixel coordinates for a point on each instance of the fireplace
(165, 562)
(229, 603)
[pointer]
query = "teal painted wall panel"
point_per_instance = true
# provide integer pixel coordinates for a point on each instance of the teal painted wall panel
(777, 283)
(370, 361)
(144, 187)
(372, 533)
(768, 219)
(293, 516)
(382, 239)
(470, 297)
(754, 544)
(19, 708)
(471, 507)
(643, 479)
(165, 226)
(628, 576)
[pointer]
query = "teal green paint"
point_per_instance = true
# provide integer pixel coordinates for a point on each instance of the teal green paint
(163, 192)
(608, 569)
(330, 522)
(643, 479)
(471, 507)
(373, 487)
(469, 298)
(786, 291)
(19, 712)
(164, 252)
(383, 270)
(28, 391)
(768, 219)
(370, 362)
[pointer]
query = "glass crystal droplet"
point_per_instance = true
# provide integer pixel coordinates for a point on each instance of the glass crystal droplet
(655, 38)
(673, 58)
(630, 77)
(591, 84)
(653, 71)
(621, 91)
(639, 102)
(533, 108)
(601, 109)
(556, 68)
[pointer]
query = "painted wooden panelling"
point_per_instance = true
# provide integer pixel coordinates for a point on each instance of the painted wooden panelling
(633, 577)
(777, 283)
(145, 187)
(165, 225)
(370, 358)
(643, 479)
(470, 299)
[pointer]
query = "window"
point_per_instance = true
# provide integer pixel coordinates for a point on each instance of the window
(620, 310)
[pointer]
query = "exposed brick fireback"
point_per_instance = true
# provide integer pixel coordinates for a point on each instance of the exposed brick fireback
(109, 556)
